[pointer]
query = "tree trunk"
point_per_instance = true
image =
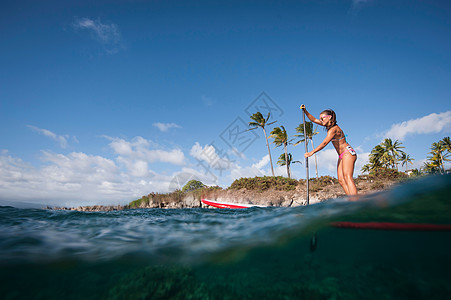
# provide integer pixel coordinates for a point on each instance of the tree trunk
(286, 161)
(269, 151)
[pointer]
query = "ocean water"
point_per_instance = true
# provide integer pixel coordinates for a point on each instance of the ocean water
(255, 253)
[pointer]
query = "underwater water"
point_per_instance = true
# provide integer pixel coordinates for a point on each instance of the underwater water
(255, 253)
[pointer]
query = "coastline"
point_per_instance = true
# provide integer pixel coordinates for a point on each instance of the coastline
(321, 189)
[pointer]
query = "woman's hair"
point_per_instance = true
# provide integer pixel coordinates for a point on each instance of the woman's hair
(333, 118)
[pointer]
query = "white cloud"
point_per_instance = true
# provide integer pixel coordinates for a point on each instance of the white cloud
(432, 123)
(180, 178)
(362, 159)
(164, 127)
(327, 159)
(11, 169)
(138, 149)
(106, 34)
(254, 170)
(234, 151)
(137, 168)
(76, 168)
(214, 160)
(63, 179)
(263, 162)
(61, 139)
(121, 147)
(82, 179)
(75, 179)
(239, 172)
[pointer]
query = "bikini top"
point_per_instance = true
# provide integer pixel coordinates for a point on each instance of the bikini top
(343, 137)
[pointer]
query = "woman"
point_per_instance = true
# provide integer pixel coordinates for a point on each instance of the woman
(346, 155)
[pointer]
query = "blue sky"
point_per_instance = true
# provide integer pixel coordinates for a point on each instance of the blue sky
(103, 102)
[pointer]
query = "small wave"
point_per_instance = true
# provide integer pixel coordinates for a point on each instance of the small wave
(194, 234)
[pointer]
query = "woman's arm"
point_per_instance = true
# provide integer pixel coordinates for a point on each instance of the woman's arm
(329, 137)
(312, 118)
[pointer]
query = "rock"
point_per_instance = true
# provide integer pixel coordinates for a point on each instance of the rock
(269, 197)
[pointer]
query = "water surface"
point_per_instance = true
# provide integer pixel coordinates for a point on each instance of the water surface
(255, 253)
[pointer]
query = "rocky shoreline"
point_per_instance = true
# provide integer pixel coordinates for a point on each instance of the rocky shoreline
(320, 190)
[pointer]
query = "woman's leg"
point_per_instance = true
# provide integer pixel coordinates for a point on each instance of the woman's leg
(340, 176)
(348, 163)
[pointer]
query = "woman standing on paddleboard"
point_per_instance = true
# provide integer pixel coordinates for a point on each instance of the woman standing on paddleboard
(346, 155)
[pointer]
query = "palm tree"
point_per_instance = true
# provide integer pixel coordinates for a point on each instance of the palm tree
(310, 133)
(386, 155)
(392, 152)
(405, 159)
(260, 121)
(416, 172)
(366, 168)
(376, 159)
(438, 156)
(283, 160)
(279, 134)
(447, 144)
(431, 168)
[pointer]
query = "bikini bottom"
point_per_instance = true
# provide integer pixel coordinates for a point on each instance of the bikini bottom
(348, 149)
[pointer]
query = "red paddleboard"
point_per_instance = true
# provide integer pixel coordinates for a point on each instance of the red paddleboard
(218, 204)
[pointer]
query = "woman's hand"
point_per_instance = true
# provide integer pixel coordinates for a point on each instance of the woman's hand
(308, 154)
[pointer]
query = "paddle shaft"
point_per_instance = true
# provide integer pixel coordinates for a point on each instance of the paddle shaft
(306, 159)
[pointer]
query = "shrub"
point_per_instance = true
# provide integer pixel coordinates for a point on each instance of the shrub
(264, 183)
(193, 185)
(377, 185)
(385, 173)
(137, 203)
(317, 184)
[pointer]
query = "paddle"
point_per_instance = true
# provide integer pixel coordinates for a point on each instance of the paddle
(306, 150)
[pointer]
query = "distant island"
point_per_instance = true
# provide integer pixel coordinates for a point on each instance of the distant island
(265, 191)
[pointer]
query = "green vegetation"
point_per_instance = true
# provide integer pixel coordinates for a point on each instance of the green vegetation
(278, 183)
(406, 159)
(192, 188)
(159, 199)
(317, 184)
(283, 160)
(386, 155)
(440, 151)
(140, 202)
(193, 185)
(386, 173)
(379, 177)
